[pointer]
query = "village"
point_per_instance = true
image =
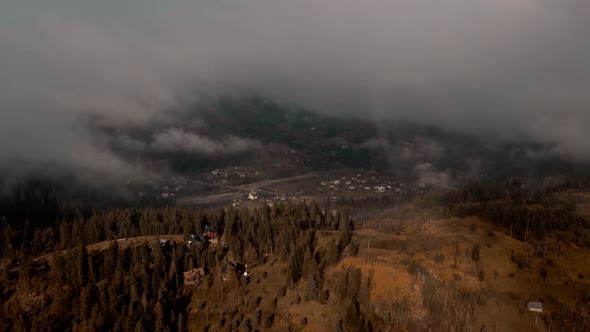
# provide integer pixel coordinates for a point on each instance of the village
(243, 185)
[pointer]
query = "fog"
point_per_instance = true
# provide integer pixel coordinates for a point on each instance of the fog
(504, 70)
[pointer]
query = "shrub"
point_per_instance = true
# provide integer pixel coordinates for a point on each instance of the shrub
(415, 268)
(520, 261)
(543, 272)
(584, 295)
(439, 258)
(269, 321)
(324, 296)
(481, 300)
(475, 253)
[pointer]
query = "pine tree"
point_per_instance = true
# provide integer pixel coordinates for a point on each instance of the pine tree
(341, 283)
(159, 314)
(353, 279)
(310, 289)
(295, 265)
(82, 266)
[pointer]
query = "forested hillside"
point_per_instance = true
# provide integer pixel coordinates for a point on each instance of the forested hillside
(140, 287)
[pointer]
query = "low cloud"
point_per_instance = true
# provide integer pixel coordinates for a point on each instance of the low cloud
(177, 140)
(428, 175)
(503, 70)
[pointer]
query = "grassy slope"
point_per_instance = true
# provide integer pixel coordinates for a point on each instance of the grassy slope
(503, 294)
(504, 297)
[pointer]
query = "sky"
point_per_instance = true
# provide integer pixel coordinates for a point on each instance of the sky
(507, 70)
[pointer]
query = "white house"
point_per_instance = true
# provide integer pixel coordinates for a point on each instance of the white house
(534, 306)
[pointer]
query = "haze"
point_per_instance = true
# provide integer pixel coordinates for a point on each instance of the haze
(503, 70)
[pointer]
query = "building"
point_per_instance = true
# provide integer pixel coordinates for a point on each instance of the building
(194, 276)
(534, 306)
(252, 196)
(194, 238)
(210, 232)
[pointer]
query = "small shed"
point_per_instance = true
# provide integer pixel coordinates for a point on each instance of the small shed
(534, 306)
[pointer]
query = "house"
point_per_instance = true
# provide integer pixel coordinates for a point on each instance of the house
(210, 232)
(534, 306)
(252, 196)
(192, 277)
(194, 238)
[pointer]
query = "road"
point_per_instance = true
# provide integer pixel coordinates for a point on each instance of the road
(237, 191)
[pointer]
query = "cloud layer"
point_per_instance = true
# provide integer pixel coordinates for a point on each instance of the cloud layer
(508, 70)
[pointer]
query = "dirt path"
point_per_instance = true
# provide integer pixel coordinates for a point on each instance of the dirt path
(123, 243)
